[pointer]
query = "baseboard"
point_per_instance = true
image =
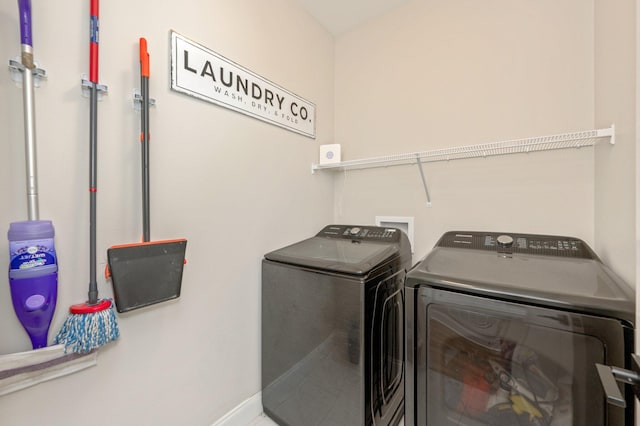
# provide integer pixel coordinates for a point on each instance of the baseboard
(242, 414)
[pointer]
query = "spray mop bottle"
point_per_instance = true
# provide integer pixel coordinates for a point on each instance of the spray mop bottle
(33, 277)
(33, 269)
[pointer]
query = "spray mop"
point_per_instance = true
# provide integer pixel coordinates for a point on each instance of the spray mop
(33, 268)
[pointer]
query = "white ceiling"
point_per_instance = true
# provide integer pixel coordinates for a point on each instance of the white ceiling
(339, 16)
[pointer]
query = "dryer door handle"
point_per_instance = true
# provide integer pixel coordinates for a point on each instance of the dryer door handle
(610, 375)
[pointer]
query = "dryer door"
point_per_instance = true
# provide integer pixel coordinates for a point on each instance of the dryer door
(386, 342)
(490, 362)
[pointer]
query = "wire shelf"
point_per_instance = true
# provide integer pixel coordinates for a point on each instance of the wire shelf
(517, 146)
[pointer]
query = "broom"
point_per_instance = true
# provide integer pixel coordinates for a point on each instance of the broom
(149, 272)
(93, 323)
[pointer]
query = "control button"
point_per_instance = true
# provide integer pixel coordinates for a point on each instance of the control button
(504, 241)
(354, 231)
(522, 243)
(34, 302)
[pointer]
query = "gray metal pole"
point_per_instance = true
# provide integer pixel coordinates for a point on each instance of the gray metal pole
(30, 133)
(93, 189)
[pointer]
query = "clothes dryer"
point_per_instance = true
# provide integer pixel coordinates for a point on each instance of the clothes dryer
(507, 329)
(333, 328)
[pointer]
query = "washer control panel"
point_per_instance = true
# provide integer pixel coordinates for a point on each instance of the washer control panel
(547, 245)
(370, 233)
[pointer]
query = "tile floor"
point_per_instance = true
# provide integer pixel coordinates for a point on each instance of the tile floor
(263, 420)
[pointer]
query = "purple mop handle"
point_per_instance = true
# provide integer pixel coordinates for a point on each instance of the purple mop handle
(25, 34)
(25, 22)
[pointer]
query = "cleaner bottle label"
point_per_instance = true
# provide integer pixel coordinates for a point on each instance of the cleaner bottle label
(31, 254)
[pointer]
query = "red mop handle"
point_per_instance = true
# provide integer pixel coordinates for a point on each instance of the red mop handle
(144, 58)
(93, 42)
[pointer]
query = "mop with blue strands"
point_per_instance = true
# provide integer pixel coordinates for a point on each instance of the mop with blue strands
(93, 323)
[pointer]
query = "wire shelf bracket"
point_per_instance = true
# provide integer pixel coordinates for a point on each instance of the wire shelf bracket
(424, 181)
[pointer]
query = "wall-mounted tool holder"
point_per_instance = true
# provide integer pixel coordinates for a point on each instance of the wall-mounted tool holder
(137, 100)
(16, 69)
(86, 86)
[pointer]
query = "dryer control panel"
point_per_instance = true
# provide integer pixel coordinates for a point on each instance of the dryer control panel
(546, 245)
(357, 232)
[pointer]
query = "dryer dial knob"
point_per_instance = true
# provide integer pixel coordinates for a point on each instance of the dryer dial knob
(354, 231)
(504, 241)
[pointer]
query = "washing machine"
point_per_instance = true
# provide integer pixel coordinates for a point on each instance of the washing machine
(507, 329)
(333, 328)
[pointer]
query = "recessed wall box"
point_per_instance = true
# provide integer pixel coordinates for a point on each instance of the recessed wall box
(403, 223)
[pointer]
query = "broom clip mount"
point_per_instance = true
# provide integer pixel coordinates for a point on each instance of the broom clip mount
(17, 69)
(137, 100)
(86, 86)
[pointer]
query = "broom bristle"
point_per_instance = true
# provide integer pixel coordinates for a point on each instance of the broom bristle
(81, 333)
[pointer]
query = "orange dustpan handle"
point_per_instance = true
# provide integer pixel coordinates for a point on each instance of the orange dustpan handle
(144, 58)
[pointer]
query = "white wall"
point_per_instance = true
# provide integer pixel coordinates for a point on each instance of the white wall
(428, 75)
(233, 186)
(615, 72)
(437, 74)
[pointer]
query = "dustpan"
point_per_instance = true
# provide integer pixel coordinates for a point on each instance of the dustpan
(149, 272)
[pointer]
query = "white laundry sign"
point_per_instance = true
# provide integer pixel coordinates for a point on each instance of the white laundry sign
(204, 74)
